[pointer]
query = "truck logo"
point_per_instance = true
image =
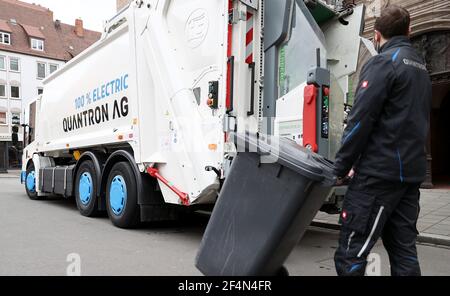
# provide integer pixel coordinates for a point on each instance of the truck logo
(101, 113)
(97, 115)
(197, 28)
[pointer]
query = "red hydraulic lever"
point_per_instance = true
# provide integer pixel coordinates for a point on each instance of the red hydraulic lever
(310, 118)
(155, 174)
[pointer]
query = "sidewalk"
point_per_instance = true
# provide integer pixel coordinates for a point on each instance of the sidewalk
(11, 174)
(434, 218)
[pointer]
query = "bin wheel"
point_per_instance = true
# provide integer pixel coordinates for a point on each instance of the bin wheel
(30, 183)
(282, 272)
(121, 196)
(85, 189)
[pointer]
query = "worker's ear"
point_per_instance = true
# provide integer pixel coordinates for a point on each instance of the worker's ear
(377, 41)
(377, 37)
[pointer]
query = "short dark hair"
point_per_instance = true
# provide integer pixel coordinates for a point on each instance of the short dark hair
(393, 21)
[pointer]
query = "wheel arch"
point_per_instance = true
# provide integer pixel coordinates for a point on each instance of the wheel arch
(29, 163)
(98, 159)
(122, 156)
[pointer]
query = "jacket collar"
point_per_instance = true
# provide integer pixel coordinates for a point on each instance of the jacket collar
(394, 42)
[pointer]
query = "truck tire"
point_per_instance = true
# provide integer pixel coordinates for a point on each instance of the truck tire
(86, 188)
(121, 196)
(30, 183)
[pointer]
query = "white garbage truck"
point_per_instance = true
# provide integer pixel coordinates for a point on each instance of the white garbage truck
(137, 125)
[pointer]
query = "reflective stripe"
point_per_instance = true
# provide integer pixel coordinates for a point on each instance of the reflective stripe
(350, 240)
(395, 56)
(353, 131)
(355, 267)
(249, 39)
(401, 166)
(374, 227)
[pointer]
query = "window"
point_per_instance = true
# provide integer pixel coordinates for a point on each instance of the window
(2, 63)
(15, 118)
(15, 92)
(37, 44)
(5, 38)
(41, 70)
(53, 68)
(2, 91)
(304, 40)
(31, 122)
(40, 91)
(2, 117)
(14, 64)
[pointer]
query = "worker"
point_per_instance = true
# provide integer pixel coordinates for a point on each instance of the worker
(383, 152)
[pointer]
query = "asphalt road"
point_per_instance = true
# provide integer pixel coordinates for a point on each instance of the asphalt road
(36, 238)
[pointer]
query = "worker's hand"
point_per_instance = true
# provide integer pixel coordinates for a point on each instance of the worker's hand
(351, 174)
(345, 180)
(341, 181)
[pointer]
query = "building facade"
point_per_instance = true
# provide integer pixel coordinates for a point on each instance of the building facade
(32, 46)
(121, 4)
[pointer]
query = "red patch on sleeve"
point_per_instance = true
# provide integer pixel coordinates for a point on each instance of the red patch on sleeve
(365, 84)
(344, 215)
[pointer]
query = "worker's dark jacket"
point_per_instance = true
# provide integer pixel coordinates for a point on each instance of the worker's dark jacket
(389, 123)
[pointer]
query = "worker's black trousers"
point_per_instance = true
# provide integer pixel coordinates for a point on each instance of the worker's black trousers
(375, 208)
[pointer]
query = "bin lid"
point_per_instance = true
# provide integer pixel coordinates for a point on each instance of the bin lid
(287, 153)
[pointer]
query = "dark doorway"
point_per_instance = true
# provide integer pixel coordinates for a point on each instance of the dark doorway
(434, 48)
(15, 156)
(440, 136)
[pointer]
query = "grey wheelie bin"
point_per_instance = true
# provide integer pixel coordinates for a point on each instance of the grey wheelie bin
(272, 193)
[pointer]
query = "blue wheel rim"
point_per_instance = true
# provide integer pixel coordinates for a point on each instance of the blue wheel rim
(117, 195)
(31, 182)
(85, 188)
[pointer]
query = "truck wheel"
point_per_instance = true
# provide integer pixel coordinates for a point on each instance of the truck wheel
(30, 183)
(85, 189)
(121, 196)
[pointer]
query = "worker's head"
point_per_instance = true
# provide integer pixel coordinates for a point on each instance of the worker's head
(393, 21)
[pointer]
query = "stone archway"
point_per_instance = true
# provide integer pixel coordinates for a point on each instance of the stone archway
(426, 15)
(434, 47)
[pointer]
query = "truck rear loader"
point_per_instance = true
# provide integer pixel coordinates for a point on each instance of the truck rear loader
(138, 124)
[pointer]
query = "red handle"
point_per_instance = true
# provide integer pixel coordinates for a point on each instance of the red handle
(310, 118)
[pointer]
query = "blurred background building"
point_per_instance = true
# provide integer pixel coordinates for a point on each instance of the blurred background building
(122, 3)
(33, 45)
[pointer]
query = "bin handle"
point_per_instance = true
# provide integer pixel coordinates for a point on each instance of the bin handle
(231, 85)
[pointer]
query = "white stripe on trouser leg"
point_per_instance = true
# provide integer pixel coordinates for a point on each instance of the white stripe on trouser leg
(350, 240)
(377, 220)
